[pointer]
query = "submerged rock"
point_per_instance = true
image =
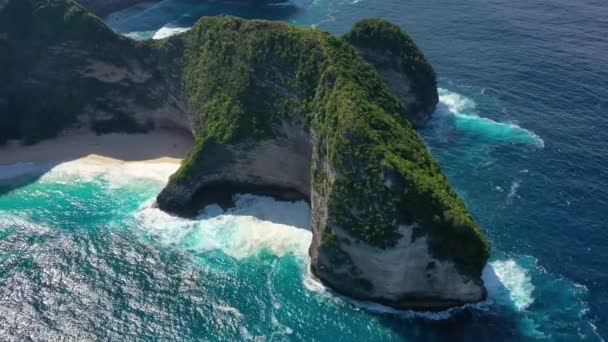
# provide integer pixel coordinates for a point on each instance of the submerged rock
(281, 110)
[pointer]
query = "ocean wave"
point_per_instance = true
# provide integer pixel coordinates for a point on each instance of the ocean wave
(460, 112)
(508, 284)
(168, 31)
(140, 35)
(117, 173)
(255, 224)
(513, 190)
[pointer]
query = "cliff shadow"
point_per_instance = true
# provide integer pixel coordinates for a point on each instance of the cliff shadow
(263, 206)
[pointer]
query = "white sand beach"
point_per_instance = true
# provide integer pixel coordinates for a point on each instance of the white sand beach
(156, 146)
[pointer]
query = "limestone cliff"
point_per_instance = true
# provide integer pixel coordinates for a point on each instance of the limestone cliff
(276, 109)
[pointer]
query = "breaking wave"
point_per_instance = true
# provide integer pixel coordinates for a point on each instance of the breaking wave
(168, 31)
(457, 114)
(256, 224)
(508, 284)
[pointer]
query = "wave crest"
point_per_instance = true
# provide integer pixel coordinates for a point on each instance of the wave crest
(460, 113)
(256, 224)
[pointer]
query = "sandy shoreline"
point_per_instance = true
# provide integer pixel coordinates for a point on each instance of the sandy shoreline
(157, 146)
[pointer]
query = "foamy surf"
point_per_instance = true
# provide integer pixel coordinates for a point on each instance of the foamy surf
(461, 112)
(168, 31)
(116, 172)
(256, 224)
(508, 284)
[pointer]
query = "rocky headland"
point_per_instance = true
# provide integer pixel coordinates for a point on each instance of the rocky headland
(274, 109)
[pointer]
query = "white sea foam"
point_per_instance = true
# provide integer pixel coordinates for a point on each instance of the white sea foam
(140, 35)
(14, 220)
(312, 283)
(513, 190)
(168, 31)
(255, 224)
(508, 284)
(466, 118)
(117, 173)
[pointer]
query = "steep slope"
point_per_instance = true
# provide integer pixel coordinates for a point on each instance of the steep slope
(276, 109)
(401, 65)
(62, 67)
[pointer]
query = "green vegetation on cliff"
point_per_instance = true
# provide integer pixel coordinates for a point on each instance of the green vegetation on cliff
(388, 39)
(240, 79)
(243, 77)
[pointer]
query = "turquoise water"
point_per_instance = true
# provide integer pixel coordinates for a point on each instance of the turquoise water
(84, 253)
(520, 131)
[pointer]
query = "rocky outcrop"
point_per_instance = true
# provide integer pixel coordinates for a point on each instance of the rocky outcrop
(401, 65)
(405, 276)
(79, 72)
(276, 109)
(307, 110)
(278, 167)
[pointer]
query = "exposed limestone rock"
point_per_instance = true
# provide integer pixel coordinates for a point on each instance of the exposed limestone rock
(406, 276)
(278, 168)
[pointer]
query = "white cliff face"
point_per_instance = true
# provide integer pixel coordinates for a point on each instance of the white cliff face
(408, 268)
(277, 167)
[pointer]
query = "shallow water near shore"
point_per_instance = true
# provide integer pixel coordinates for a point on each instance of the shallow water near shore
(520, 132)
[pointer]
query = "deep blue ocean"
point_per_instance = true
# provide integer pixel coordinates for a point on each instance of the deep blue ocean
(521, 131)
